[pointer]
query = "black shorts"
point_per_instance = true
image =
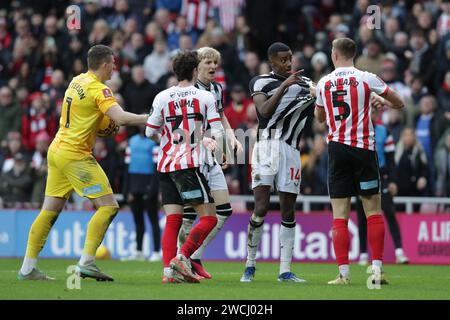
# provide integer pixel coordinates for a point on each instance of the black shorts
(352, 171)
(184, 187)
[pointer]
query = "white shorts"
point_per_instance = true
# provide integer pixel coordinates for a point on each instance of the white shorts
(276, 164)
(215, 177)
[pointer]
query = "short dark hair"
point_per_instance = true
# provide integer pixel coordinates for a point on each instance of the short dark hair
(97, 55)
(346, 47)
(184, 64)
(277, 47)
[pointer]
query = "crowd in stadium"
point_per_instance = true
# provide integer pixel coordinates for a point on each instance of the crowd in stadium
(409, 48)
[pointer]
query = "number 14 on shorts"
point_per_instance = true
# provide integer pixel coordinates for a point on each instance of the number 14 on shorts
(295, 174)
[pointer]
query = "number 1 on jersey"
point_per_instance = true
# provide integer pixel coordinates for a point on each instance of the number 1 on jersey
(69, 102)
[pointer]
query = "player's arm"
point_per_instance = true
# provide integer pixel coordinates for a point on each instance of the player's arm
(122, 117)
(214, 120)
(382, 94)
(266, 106)
(391, 99)
(231, 138)
(319, 111)
(108, 105)
(155, 121)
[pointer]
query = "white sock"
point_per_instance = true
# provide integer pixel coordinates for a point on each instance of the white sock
(185, 229)
(399, 252)
(86, 259)
(28, 265)
(344, 270)
(377, 263)
(253, 238)
(220, 222)
(167, 272)
(287, 238)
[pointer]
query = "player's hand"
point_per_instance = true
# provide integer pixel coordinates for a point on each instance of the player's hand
(235, 144)
(421, 183)
(209, 143)
(225, 163)
(312, 89)
(392, 188)
(377, 101)
(293, 79)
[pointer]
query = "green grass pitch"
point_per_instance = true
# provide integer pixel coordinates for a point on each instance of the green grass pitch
(142, 280)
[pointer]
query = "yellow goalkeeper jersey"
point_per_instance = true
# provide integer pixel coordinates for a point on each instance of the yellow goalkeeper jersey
(86, 100)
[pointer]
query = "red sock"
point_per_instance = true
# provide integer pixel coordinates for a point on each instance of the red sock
(170, 236)
(198, 234)
(341, 240)
(375, 235)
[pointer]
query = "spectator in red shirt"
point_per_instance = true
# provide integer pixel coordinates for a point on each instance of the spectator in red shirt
(39, 118)
(236, 110)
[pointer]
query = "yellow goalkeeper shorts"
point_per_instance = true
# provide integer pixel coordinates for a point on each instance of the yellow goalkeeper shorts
(85, 176)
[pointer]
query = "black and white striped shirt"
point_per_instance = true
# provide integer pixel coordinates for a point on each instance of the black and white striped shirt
(294, 111)
(216, 89)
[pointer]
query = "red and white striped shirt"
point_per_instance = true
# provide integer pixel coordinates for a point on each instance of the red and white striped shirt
(197, 13)
(345, 95)
(182, 115)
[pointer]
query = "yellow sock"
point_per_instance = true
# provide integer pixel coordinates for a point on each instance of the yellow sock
(39, 232)
(97, 228)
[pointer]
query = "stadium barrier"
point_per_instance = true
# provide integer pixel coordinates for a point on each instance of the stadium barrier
(426, 238)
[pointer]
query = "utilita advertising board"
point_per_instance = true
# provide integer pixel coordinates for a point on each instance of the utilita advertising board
(426, 238)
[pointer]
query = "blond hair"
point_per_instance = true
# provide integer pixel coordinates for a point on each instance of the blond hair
(208, 53)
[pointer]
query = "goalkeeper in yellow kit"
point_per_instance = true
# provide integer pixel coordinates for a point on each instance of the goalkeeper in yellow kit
(71, 165)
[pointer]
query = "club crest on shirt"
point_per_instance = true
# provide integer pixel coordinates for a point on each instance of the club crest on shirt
(107, 93)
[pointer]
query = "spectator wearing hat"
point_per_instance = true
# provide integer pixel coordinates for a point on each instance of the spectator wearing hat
(11, 113)
(320, 66)
(16, 184)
